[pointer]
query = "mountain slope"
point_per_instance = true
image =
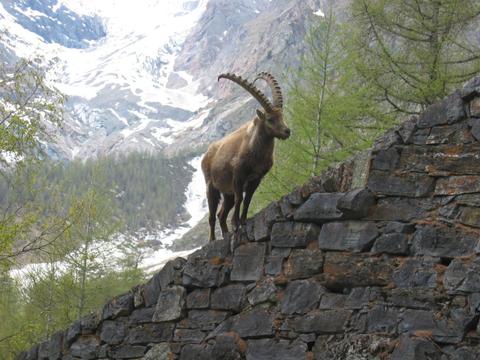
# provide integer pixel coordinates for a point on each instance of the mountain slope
(142, 77)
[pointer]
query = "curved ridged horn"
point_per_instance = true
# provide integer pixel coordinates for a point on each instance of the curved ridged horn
(257, 94)
(276, 90)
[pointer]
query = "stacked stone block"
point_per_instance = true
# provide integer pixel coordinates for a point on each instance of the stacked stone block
(378, 258)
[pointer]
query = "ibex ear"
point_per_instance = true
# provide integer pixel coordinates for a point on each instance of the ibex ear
(260, 114)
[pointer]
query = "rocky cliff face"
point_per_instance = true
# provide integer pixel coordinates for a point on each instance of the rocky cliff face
(244, 37)
(378, 258)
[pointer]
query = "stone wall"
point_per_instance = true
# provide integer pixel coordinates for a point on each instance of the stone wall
(375, 259)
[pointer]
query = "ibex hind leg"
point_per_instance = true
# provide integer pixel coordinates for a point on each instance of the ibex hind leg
(227, 205)
(213, 197)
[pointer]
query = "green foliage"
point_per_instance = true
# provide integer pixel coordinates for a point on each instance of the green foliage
(79, 268)
(28, 108)
(390, 58)
(413, 52)
(14, 331)
(146, 190)
(49, 302)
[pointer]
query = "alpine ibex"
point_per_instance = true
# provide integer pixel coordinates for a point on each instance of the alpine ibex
(238, 162)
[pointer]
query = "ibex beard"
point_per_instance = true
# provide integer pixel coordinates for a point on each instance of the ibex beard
(235, 165)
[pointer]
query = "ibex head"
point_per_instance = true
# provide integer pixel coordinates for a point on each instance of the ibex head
(271, 116)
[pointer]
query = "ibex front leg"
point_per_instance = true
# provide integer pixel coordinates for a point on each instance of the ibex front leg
(238, 189)
(249, 190)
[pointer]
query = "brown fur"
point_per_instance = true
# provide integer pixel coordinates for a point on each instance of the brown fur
(237, 163)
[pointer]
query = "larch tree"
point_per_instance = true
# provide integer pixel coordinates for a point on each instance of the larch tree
(414, 52)
(28, 109)
(330, 110)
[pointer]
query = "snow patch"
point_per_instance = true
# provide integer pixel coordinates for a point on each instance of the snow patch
(319, 12)
(195, 207)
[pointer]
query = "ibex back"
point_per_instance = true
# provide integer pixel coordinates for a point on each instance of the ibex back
(235, 165)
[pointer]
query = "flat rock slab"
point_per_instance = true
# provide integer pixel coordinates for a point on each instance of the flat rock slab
(270, 349)
(444, 328)
(201, 272)
(263, 221)
(274, 264)
(150, 333)
(455, 185)
(160, 351)
(416, 272)
(470, 216)
(448, 111)
(381, 319)
(127, 352)
(475, 124)
(386, 160)
(348, 235)
(331, 301)
(113, 332)
(171, 273)
(471, 89)
(301, 296)
(230, 297)
(293, 234)
(452, 159)
(198, 299)
(203, 319)
(189, 336)
(171, 302)
(120, 306)
(86, 347)
(142, 315)
(255, 323)
(248, 262)
(348, 270)
(263, 292)
(356, 204)
(319, 208)
(443, 241)
(304, 263)
(399, 227)
(403, 209)
(400, 184)
(462, 276)
(393, 243)
(415, 348)
(321, 322)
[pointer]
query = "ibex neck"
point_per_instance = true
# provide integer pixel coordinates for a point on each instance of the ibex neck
(261, 143)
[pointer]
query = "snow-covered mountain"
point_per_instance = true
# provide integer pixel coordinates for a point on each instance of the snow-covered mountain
(142, 75)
